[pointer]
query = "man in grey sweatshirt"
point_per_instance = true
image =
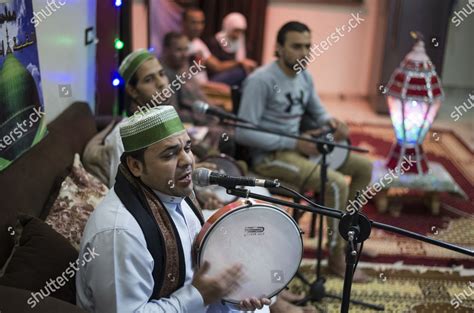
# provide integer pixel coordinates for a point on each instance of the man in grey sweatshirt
(280, 96)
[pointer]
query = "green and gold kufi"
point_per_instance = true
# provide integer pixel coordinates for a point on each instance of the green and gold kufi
(132, 62)
(146, 128)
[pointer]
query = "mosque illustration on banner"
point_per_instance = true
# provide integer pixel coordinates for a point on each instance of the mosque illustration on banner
(21, 103)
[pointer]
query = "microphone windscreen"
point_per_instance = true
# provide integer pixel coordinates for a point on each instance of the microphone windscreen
(200, 177)
(199, 107)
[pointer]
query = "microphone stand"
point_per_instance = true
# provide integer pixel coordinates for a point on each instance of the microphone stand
(354, 228)
(317, 289)
(313, 140)
(239, 122)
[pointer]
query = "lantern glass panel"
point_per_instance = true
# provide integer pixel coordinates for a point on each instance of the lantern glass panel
(429, 119)
(396, 114)
(411, 119)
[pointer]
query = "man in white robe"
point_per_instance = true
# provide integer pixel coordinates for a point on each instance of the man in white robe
(153, 186)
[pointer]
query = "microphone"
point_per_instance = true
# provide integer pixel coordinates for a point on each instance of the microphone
(204, 177)
(202, 107)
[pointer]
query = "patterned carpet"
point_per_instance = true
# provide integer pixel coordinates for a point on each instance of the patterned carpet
(400, 291)
(442, 147)
(455, 224)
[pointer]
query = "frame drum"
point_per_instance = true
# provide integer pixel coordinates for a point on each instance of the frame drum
(258, 235)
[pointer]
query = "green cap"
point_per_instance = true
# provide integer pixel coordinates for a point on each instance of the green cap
(144, 129)
(132, 62)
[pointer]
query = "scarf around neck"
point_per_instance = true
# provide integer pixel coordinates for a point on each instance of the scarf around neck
(160, 232)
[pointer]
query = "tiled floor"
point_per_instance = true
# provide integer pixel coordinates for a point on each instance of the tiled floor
(359, 110)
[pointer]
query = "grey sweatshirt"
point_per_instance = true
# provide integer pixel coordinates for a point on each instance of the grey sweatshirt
(275, 101)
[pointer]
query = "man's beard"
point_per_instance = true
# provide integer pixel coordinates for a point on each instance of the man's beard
(289, 64)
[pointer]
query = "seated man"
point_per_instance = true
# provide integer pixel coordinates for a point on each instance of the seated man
(144, 229)
(230, 72)
(175, 62)
(277, 98)
(229, 43)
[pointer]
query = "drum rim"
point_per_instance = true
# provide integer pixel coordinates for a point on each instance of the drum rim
(246, 205)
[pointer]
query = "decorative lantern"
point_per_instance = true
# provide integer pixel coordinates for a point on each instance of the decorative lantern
(414, 97)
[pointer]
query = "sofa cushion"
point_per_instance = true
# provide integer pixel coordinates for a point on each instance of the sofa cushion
(15, 232)
(28, 182)
(42, 256)
(80, 193)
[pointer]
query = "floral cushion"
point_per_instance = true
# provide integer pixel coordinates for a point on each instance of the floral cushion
(80, 193)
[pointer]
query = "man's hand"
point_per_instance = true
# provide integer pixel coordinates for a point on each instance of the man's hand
(213, 289)
(306, 147)
(341, 130)
(248, 65)
(252, 304)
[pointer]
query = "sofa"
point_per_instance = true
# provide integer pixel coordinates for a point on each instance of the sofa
(27, 189)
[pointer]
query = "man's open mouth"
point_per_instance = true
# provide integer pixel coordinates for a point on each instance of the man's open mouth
(186, 177)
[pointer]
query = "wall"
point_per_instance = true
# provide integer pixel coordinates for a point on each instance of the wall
(64, 57)
(347, 66)
(139, 24)
(458, 71)
(344, 67)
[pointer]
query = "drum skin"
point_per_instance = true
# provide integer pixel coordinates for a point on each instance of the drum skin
(258, 235)
(336, 159)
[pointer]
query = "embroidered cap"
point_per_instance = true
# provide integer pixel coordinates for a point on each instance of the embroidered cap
(132, 62)
(146, 128)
